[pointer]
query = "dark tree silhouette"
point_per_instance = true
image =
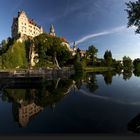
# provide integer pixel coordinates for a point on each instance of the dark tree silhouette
(133, 11)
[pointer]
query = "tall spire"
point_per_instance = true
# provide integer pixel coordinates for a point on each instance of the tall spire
(52, 31)
(74, 46)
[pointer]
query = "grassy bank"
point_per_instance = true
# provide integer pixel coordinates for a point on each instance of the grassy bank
(97, 69)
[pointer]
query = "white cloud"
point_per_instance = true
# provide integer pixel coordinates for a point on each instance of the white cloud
(111, 31)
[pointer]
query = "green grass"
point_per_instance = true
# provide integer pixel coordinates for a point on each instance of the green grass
(97, 69)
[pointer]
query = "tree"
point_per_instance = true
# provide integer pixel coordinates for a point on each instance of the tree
(127, 63)
(133, 11)
(15, 56)
(42, 43)
(5, 44)
(108, 58)
(92, 53)
(136, 64)
(51, 48)
(59, 52)
(63, 55)
(77, 57)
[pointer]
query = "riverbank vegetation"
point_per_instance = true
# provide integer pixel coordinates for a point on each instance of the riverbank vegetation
(50, 52)
(46, 51)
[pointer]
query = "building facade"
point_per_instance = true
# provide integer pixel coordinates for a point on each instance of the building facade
(23, 26)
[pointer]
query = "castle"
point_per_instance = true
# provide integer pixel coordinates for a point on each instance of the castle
(23, 26)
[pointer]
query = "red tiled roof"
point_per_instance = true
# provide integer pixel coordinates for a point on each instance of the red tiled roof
(31, 21)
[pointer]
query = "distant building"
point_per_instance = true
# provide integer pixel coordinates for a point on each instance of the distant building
(82, 53)
(52, 31)
(23, 26)
(74, 49)
(64, 42)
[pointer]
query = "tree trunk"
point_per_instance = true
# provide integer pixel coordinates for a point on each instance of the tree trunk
(55, 58)
(57, 83)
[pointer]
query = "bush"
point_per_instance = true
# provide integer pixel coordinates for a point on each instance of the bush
(79, 68)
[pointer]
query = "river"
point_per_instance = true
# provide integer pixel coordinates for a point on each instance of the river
(96, 103)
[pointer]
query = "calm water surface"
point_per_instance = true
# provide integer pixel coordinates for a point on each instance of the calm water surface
(92, 103)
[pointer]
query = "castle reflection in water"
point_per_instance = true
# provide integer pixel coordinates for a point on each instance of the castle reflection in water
(29, 99)
(27, 103)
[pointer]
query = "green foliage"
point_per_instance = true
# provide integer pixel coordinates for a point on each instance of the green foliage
(133, 11)
(63, 55)
(92, 54)
(84, 61)
(79, 68)
(50, 46)
(117, 65)
(127, 63)
(77, 57)
(108, 58)
(6, 44)
(42, 44)
(136, 64)
(97, 69)
(15, 56)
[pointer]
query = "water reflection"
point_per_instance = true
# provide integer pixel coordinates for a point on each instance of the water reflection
(136, 73)
(134, 124)
(26, 103)
(108, 77)
(29, 98)
(23, 112)
(92, 83)
(87, 79)
(127, 75)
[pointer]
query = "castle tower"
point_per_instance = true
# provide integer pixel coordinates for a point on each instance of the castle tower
(74, 46)
(52, 31)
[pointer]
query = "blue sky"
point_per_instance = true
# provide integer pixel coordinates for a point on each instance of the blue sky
(102, 23)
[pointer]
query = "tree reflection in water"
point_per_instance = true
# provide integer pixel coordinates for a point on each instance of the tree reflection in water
(127, 75)
(87, 79)
(92, 82)
(28, 99)
(136, 72)
(26, 103)
(108, 75)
